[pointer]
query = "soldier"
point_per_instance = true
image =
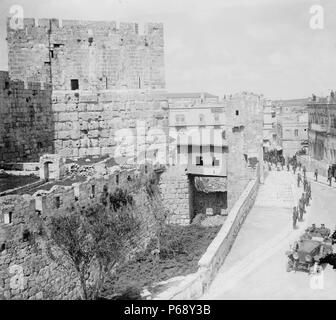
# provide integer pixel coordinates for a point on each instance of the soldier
(300, 211)
(288, 166)
(312, 228)
(303, 202)
(309, 190)
(307, 198)
(324, 231)
(295, 217)
(316, 174)
(298, 179)
(329, 178)
(304, 171)
(300, 166)
(294, 167)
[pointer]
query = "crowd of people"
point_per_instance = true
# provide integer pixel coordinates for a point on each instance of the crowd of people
(304, 201)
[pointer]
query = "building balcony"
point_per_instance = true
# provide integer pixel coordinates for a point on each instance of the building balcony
(198, 170)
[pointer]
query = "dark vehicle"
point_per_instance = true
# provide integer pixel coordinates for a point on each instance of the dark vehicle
(306, 254)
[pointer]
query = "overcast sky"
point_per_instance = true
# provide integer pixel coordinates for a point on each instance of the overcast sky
(220, 46)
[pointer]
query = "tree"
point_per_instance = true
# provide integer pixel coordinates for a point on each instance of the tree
(94, 238)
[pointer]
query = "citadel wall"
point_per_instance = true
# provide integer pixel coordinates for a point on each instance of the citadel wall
(99, 54)
(26, 120)
(97, 123)
(26, 271)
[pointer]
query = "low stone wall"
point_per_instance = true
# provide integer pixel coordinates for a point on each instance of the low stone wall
(312, 164)
(196, 284)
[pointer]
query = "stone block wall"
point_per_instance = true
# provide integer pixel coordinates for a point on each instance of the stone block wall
(245, 116)
(110, 122)
(26, 272)
(177, 195)
(99, 54)
(26, 120)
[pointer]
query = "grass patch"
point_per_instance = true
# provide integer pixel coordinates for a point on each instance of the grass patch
(181, 249)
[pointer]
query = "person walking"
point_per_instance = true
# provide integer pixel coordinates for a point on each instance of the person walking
(294, 167)
(303, 202)
(304, 171)
(295, 217)
(298, 179)
(310, 192)
(316, 174)
(329, 176)
(300, 210)
(307, 199)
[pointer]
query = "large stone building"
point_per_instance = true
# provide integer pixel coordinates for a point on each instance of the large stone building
(269, 128)
(292, 126)
(322, 129)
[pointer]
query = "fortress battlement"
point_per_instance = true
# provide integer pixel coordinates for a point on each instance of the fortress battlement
(32, 25)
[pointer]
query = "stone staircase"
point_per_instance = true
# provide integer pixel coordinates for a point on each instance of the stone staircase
(277, 191)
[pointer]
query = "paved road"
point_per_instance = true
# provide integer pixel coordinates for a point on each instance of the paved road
(256, 265)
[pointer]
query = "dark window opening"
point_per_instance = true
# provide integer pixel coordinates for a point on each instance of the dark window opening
(199, 161)
(129, 178)
(93, 191)
(9, 217)
(3, 247)
(57, 45)
(117, 179)
(178, 149)
(90, 41)
(139, 83)
(26, 235)
(47, 63)
(76, 198)
(74, 84)
(146, 170)
(215, 162)
(237, 112)
(223, 134)
(57, 202)
(6, 85)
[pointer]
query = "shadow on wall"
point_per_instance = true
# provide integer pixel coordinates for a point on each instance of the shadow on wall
(26, 120)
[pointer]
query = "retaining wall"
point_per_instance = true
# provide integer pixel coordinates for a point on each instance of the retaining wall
(196, 284)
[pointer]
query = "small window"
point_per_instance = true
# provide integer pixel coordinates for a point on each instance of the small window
(178, 149)
(237, 112)
(6, 85)
(3, 247)
(57, 202)
(74, 84)
(146, 169)
(223, 134)
(117, 179)
(93, 191)
(199, 161)
(8, 217)
(215, 162)
(26, 235)
(51, 53)
(296, 132)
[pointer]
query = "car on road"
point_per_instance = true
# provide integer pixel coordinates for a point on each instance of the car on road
(306, 254)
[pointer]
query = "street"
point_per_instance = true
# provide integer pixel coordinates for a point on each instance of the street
(256, 266)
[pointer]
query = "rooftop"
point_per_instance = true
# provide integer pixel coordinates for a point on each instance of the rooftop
(190, 95)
